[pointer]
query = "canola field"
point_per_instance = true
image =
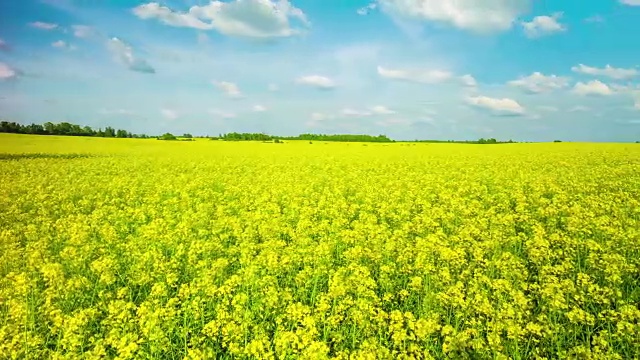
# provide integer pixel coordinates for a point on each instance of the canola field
(146, 249)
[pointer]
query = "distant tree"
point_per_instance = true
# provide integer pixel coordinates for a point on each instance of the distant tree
(187, 136)
(167, 136)
(49, 128)
(109, 132)
(64, 128)
(557, 141)
(88, 131)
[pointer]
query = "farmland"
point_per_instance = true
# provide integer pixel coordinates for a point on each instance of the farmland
(134, 248)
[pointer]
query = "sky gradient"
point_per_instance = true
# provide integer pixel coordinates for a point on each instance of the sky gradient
(411, 69)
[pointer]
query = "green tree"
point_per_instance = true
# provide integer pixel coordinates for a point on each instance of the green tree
(109, 132)
(167, 136)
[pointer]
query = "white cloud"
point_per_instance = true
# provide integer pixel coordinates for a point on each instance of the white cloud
(579, 108)
(483, 16)
(273, 87)
(468, 81)
(382, 110)
(630, 2)
(3, 45)
(624, 89)
(415, 75)
(539, 83)
(595, 19)
(222, 114)
(43, 25)
(60, 44)
(7, 72)
(366, 9)
(608, 71)
(594, 87)
(124, 54)
(349, 112)
(318, 81)
(243, 18)
(504, 106)
(83, 31)
(543, 25)
(169, 114)
(259, 108)
(229, 88)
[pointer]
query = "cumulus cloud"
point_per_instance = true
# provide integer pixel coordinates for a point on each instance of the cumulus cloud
(621, 88)
(43, 25)
(594, 19)
(382, 110)
(169, 114)
(366, 9)
(259, 108)
(7, 72)
(83, 31)
(229, 88)
(273, 87)
(415, 75)
(483, 16)
(539, 83)
(630, 2)
(468, 81)
(579, 108)
(242, 18)
(317, 81)
(608, 71)
(349, 112)
(60, 44)
(504, 106)
(543, 25)
(123, 53)
(594, 87)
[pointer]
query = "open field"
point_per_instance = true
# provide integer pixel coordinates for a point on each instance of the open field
(206, 249)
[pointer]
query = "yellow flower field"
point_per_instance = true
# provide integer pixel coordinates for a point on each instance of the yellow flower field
(146, 249)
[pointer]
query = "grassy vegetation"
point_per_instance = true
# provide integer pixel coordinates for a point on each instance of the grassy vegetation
(134, 248)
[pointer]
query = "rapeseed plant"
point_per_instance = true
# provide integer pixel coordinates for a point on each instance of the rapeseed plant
(202, 250)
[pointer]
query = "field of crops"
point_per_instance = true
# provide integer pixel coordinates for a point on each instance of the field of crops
(151, 249)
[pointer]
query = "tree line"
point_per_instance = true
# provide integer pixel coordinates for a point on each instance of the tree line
(65, 129)
(234, 136)
(479, 141)
(68, 129)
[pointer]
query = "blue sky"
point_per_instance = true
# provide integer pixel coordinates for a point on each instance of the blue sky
(429, 69)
